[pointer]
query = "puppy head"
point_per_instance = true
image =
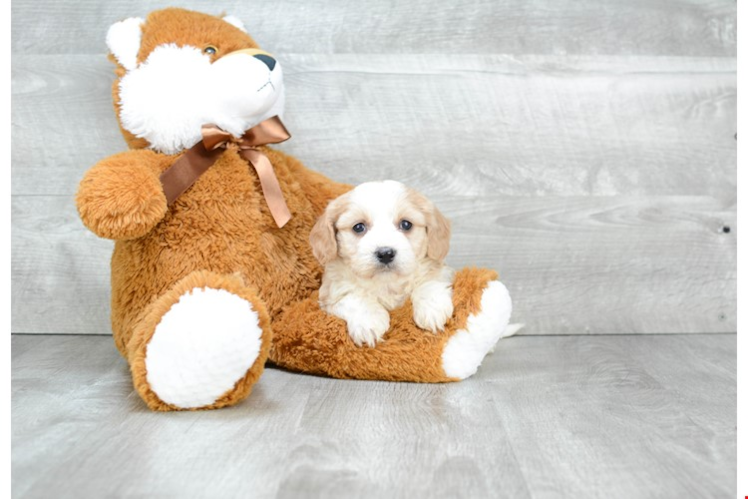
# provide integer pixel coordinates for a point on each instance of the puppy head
(381, 227)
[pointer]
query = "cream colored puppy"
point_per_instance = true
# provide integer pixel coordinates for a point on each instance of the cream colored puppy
(380, 244)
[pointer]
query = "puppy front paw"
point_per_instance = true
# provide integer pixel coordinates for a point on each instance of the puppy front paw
(369, 328)
(431, 311)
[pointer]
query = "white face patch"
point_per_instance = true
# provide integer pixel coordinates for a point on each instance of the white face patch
(168, 97)
(381, 207)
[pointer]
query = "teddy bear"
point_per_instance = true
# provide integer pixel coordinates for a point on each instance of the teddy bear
(212, 274)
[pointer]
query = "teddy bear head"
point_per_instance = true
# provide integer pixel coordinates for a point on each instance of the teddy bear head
(178, 70)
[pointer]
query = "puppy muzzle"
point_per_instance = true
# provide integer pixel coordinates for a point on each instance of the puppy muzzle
(385, 255)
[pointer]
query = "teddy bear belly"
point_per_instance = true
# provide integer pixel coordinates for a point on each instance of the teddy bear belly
(235, 242)
(229, 233)
(223, 224)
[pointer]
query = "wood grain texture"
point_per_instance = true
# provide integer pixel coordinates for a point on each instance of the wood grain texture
(59, 269)
(574, 265)
(474, 125)
(586, 405)
(584, 149)
(643, 27)
(605, 416)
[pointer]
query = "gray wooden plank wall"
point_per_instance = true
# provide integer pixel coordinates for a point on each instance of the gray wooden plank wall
(585, 149)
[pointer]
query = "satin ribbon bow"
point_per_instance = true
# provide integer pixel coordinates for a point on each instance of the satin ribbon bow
(199, 158)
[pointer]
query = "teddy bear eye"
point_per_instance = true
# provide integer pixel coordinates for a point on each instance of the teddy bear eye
(210, 50)
(406, 225)
(359, 228)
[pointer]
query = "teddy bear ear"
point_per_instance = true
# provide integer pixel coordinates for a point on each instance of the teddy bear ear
(123, 40)
(235, 21)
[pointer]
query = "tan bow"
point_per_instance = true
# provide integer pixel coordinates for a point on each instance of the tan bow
(199, 158)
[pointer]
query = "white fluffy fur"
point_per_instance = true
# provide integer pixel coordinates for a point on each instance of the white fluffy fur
(176, 90)
(466, 349)
(203, 345)
(358, 288)
(123, 40)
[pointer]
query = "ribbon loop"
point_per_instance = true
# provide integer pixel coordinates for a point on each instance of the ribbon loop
(195, 161)
(270, 131)
(214, 137)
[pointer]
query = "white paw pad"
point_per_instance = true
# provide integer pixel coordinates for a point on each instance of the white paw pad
(203, 345)
(466, 349)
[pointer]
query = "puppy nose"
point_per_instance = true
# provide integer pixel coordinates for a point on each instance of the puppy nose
(385, 255)
(269, 61)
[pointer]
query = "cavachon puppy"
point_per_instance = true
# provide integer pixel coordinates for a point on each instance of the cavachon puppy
(381, 244)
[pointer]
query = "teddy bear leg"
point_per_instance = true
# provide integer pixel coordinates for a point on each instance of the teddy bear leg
(202, 344)
(307, 339)
(468, 346)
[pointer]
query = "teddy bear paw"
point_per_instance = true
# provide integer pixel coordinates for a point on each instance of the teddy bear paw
(202, 347)
(120, 200)
(466, 349)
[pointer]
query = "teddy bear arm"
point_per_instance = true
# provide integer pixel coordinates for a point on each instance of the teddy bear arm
(308, 340)
(121, 197)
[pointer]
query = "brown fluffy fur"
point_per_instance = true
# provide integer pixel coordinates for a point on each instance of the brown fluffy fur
(220, 233)
(306, 339)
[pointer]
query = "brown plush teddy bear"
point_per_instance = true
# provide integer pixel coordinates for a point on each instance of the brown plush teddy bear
(212, 271)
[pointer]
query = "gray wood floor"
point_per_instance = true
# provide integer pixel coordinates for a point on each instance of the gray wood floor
(546, 416)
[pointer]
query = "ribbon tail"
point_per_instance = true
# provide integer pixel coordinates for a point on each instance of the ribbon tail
(271, 189)
(183, 173)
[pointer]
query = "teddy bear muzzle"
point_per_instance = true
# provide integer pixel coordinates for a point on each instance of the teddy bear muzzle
(168, 98)
(238, 67)
(265, 57)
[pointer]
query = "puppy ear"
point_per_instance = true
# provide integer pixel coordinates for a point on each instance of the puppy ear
(322, 237)
(123, 40)
(438, 231)
(438, 228)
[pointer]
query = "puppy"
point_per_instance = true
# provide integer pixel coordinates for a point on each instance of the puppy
(380, 244)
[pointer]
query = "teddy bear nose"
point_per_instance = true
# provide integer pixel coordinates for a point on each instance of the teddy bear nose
(385, 255)
(269, 61)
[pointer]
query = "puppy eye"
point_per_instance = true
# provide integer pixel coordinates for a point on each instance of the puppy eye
(210, 50)
(406, 225)
(359, 228)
